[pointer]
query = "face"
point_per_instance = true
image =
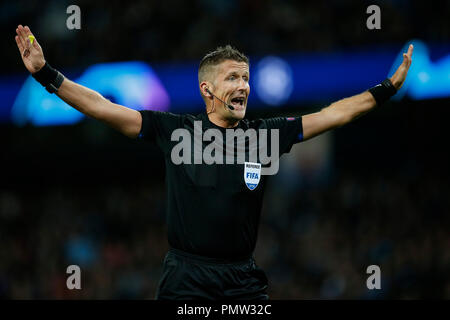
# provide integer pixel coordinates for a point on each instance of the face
(231, 85)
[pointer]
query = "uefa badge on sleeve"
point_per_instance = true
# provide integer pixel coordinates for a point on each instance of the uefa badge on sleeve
(252, 174)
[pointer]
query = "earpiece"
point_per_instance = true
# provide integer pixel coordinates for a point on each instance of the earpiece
(226, 104)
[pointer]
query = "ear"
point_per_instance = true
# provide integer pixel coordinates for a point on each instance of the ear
(204, 88)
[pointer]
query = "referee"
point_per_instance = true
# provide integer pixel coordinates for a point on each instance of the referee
(213, 210)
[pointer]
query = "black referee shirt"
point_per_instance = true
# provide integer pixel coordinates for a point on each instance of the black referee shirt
(210, 209)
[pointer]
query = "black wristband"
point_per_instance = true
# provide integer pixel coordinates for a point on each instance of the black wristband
(49, 77)
(383, 91)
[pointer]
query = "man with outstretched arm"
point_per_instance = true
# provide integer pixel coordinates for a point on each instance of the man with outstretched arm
(212, 211)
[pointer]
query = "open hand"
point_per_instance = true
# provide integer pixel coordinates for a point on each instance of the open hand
(31, 53)
(400, 74)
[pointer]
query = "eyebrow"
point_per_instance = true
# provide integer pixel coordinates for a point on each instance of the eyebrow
(234, 72)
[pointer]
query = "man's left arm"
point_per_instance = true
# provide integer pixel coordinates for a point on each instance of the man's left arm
(346, 110)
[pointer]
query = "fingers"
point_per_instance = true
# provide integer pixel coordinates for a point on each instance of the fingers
(19, 44)
(21, 38)
(26, 47)
(27, 31)
(407, 57)
(400, 74)
(29, 34)
(410, 51)
(24, 33)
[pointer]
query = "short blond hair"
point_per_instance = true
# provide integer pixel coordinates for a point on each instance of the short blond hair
(212, 59)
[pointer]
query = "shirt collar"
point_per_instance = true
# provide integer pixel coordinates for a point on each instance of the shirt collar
(208, 124)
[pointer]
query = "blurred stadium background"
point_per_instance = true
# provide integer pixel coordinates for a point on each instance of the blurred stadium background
(373, 192)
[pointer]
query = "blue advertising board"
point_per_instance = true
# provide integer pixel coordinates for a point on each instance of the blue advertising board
(276, 82)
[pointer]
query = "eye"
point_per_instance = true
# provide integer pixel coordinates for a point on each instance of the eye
(231, 77)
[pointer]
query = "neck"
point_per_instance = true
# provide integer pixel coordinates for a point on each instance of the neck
(221, 122)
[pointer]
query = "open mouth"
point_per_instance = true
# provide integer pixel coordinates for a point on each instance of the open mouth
(238, 102)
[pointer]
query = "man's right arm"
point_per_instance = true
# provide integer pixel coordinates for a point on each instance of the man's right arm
(93, 104)
(85, 100)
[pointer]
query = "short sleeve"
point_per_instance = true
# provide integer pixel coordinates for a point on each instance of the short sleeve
(291, 131)
(157, 126)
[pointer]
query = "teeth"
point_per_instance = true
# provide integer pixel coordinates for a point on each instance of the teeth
(239, 100)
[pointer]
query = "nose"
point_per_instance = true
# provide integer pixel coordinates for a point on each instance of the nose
(243, 85)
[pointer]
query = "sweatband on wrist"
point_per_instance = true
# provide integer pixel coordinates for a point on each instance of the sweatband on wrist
(49, 77)
(383, 91)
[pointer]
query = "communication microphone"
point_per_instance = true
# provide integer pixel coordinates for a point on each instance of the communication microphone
(228, 105)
